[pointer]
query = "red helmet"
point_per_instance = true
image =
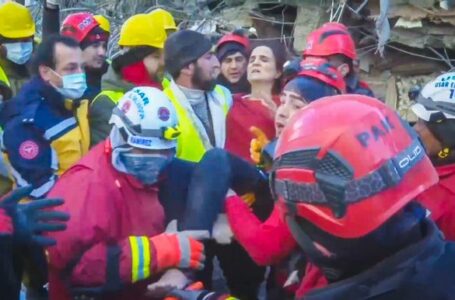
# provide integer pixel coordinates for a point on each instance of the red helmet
(348, 164)
(320, 69)
(234, 38)
(78, 25)
(335, 25)
(330, 39)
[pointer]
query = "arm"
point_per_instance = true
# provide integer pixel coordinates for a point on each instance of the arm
(268, 242)
(211, 179)
(88, 256)
(51, 18)
(100, 112)
(30, 156)
(107, 266)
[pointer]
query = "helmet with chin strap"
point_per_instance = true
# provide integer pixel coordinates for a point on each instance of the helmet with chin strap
(347, 164)
(436, 107)
(146, 119)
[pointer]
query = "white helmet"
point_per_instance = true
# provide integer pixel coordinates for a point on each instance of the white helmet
(146, 119)
(437, 99)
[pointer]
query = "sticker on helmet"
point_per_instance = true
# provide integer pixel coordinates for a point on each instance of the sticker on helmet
(29, 150)
(85, 23)
(164, 114)
(126, 107)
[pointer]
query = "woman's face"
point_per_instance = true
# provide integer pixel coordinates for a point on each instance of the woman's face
(290, 103)
(262, 65)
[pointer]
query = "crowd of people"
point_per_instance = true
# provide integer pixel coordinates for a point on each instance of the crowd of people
(127, 177)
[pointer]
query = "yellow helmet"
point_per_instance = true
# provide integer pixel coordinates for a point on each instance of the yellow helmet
(16, 21)
(165, 17)
(104, 23)
(142, 30)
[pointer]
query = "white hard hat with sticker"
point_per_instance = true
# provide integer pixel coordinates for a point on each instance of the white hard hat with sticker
(437, 99)
(146, 119)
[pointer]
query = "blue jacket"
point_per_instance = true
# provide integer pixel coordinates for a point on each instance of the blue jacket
(422, 271)
(356, 86)
(43, 135)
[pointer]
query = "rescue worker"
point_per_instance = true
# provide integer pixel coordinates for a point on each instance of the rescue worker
(24, 224)
(269, 241)
(334, 42)
(370, 243)
(45, 130)
(436, 127)
(166, 20)
(202, 107)
(85, 29)
(104, 23)
(116, 229)
(201, 104)
(233, 52)
(139, 63)
(17, 30)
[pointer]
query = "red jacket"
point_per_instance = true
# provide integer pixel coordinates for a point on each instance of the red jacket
(267, 243)
(245, 113)
(440, 201)
(107, 208)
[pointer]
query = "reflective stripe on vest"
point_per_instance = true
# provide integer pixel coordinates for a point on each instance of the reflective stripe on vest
(189, 144)
(3, 77)
(114, 96)
(71, 146)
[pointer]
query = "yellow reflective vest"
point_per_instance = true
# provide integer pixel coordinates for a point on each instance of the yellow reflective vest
(189, 144)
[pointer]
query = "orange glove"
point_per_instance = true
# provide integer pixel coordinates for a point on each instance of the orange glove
(257, 144)
(177, 250)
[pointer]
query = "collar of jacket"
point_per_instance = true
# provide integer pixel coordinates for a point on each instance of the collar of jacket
(37, 90)
(137, 74)
(387, 275)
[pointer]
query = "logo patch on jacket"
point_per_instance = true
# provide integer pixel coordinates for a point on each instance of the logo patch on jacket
(29, 150)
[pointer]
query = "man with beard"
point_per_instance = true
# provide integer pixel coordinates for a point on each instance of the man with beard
(201, 105)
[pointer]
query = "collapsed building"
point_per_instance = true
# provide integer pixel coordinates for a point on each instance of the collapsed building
(401, 43)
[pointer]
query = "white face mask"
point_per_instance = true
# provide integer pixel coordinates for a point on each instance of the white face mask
(74, 85)
(19, 53)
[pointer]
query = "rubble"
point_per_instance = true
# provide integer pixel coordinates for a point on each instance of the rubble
(421, 41)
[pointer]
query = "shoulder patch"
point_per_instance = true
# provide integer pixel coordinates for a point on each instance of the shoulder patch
(29, 150)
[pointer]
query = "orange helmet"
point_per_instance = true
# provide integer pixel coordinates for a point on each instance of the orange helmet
(330, 39)
(348, 164)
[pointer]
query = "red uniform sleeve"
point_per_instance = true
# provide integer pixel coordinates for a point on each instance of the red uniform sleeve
(86, 254)
(267, 243)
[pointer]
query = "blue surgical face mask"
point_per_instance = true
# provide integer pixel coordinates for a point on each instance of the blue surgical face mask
(19, 53)
(145, 167)
(74, 85)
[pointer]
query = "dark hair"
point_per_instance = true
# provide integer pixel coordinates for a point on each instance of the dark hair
(280, 53)
(45, 53)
